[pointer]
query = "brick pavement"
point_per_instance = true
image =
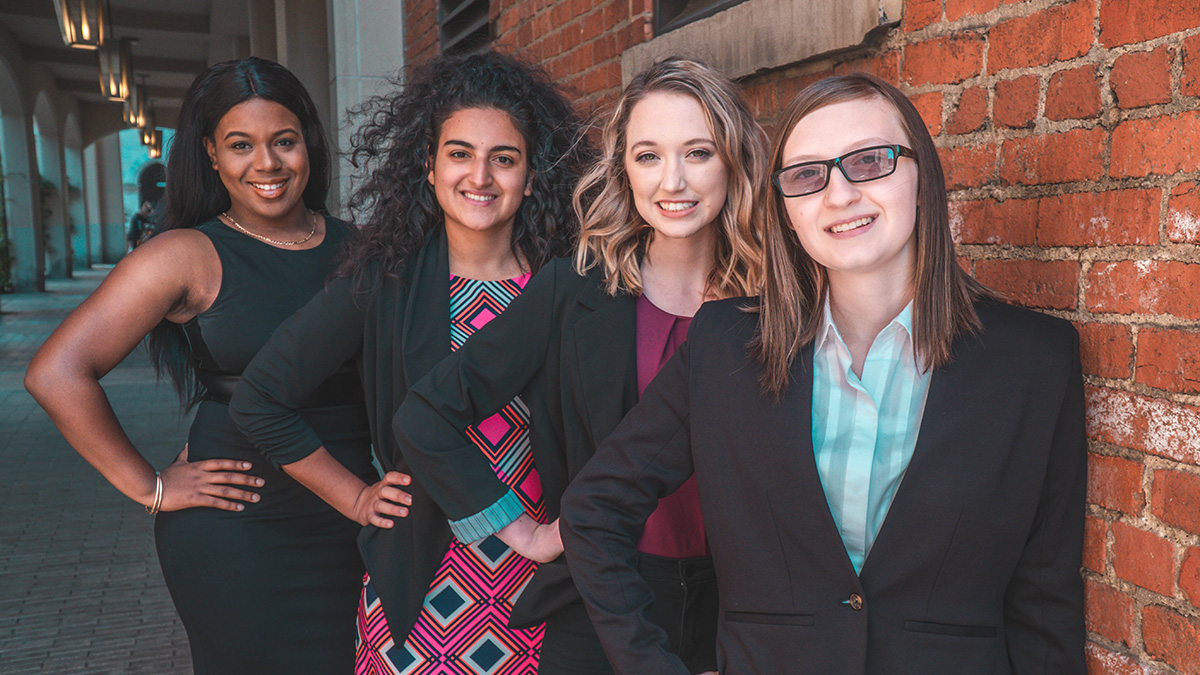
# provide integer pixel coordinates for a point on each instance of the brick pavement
(80, 587)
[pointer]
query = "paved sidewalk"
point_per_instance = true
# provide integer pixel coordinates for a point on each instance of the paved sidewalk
(80, 587)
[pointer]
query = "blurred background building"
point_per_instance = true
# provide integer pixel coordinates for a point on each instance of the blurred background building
(69, 156)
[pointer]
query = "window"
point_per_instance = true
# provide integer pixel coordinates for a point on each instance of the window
(464, 25)
(740, 37)
(671, 14)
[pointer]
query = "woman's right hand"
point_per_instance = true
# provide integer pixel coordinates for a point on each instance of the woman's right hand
(377, 503)
(211, 482)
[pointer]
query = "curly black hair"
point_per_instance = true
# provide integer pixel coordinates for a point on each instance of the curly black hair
(395, 206)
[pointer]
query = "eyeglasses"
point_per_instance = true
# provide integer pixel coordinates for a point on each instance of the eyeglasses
(859, 166)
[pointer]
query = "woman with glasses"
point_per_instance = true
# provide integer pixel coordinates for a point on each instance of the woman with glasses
(891, 462)
(669, 219)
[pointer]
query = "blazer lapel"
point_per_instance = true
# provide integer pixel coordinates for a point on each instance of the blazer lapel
(425, 335)
(808, 487)
(921, 490)
(605, 342)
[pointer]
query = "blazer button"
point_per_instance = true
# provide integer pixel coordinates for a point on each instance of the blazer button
(856, 601)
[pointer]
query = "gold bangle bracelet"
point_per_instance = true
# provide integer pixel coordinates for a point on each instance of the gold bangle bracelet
(158, 495)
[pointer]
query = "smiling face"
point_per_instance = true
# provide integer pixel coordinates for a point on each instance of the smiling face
(678, 180)
(856, 228)
(480, 171)
(258, 150)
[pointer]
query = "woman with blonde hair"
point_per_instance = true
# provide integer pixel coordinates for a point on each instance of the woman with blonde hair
(670, 220)
(892, 462)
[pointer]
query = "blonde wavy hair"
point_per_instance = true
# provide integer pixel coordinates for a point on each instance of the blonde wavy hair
(613, 234)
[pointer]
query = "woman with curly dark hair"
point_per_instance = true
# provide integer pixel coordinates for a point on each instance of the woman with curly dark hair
(263, 573)
(468, 175)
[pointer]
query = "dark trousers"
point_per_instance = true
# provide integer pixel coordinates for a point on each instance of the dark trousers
(685, 606)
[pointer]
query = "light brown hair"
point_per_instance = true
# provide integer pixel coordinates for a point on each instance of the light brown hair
(794, 284)
(613, 234)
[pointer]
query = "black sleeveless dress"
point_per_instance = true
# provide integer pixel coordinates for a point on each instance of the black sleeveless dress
(273, 588)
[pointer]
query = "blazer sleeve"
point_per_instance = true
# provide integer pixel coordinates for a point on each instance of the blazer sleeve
(605, 508)
(469, 386)
(302, 353)
(1043, 604)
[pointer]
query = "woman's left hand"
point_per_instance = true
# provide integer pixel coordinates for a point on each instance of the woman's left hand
(531, 539)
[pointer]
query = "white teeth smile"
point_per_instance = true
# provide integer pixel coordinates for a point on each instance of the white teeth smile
(676, 206)
(482, 199)
(267, 187)
(854, 224)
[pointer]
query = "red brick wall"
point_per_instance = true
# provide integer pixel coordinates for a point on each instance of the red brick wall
(578, 42)
(1071, 140)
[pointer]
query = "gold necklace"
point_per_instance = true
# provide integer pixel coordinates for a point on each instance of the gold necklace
(259, 237)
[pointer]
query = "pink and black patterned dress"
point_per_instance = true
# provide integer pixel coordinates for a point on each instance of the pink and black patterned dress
(463, 625)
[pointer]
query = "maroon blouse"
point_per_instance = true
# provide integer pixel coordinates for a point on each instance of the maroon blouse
(676, 528)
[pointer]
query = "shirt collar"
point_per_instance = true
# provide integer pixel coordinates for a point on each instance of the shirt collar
(828, 328)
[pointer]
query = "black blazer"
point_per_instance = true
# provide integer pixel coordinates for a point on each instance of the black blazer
(975, 569)
(569, 349)
(395, 335)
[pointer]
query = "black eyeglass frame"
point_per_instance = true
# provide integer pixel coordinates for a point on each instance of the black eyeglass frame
(900, 150)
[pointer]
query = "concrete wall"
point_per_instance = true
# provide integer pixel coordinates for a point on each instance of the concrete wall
(367, 53)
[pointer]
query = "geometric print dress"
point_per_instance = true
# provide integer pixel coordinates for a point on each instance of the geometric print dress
(463, 625)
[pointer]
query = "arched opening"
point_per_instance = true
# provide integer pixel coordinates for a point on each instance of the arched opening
(143, 178)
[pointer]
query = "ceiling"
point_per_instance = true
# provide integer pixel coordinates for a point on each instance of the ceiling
(176, 40)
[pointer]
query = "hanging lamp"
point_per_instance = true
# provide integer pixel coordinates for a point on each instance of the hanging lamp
(116, 69)
(84, 23)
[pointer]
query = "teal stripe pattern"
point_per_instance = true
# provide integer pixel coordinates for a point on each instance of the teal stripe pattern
(864, 429)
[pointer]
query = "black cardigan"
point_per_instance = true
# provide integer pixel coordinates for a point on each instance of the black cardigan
(395, 335)
(569, 349)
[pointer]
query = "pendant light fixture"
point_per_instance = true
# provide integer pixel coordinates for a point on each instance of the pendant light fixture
(116, 69)
(155, 149)
(146, 131)
(84, 23)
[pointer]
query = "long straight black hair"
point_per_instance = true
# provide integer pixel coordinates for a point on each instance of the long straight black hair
(195, 193)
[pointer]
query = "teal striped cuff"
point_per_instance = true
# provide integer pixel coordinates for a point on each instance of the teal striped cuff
(490, 520)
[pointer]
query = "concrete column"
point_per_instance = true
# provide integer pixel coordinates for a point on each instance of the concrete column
(302, 46)
(112, 203)
(21, 205)
(58, 240)
(366, 48)
(76, 213)
(262, 29)
(91, 204)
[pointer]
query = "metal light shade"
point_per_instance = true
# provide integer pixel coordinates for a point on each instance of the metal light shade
(116, 69)
(84, 23)
(155, 150)
(146, 132)
(134, 112)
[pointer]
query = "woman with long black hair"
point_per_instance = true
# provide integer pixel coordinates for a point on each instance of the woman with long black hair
(262, 572)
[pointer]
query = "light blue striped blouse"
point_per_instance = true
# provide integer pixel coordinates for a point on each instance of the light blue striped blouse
(865, 429)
